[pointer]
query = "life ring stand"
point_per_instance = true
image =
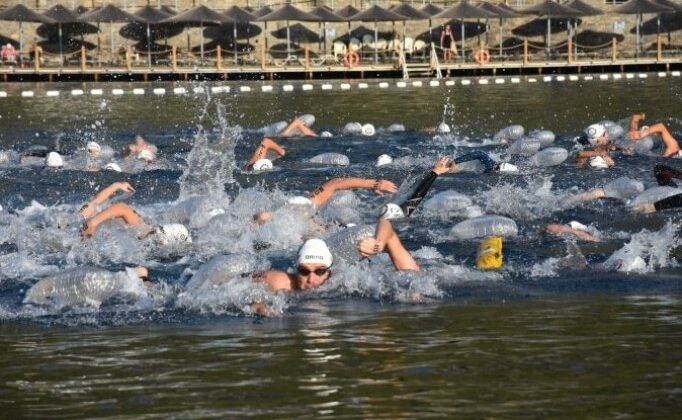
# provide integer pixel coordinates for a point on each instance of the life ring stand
(351, 59)
(482, 56)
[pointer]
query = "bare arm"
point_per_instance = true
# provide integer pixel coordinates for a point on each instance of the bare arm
(262, 150)
(277, 280)
(634, 122)
(88, 210)
(302, 128)
(386, 239)
(557, 229)
(116, 211)
(327, 190)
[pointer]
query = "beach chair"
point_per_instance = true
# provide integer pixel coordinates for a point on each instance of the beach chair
(339, 49)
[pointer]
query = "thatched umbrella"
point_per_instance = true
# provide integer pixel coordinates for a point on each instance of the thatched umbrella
(431, 10)
(639, 7)
(376, 14)
(151, 16)
(586, 10)
(21, 14)
(550, 9)
(326, 15)
(61, 15)
(502, 13)
(288, 13)
(111, 14)
(347, 12)
(200, 16)
(238, 15)
(409, 13)
(464, 10)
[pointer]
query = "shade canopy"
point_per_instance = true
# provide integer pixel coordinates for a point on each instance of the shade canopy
(61, 14)
(265, 10)
(51, 30)
(671, 4)
(138, 31)
(326, 15)
(289, 12)
(21, 13)
(361, 31)
(150, 14)
(550, 9)
(464, 10)
(409, 12)
(297, 33)
(225, 31)
(239, 15)
(669, 22)
(537, 27)
(347, 11)
(500, 12)
(198, 16)
(584, 8)
(637, 7)
(69, 46)
(108, 13)
(431, 9)
(376, 14)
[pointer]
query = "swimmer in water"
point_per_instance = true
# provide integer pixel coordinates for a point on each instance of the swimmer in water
(672, 147)
(672, 202)
(141, 150)
(598, 157)
(300, 127)
(572, 228)
(325, 192)
(259, 160)
(665, 175)
(92, 207)
(387, 240)
(489, 164)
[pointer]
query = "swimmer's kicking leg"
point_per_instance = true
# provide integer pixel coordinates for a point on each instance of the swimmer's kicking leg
(671, 202)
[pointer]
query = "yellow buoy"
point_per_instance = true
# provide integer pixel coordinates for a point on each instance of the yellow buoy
(489, 255)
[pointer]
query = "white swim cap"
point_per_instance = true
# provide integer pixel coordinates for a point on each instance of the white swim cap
(644, 128)
(326, 134)
(112, 166)
(216, 212)
(54, 160)
(392, 211)
(307, 119)
(594, 132)
(93, 146)
(443, 128)
(300, 200)
(262, 165)
(352, 128)
(173, 233)
(368, 130)
(384, 160)
(396, 128)
(146, 155)
(507, 167)
(315, 251)
(577, 225)
(598, 162)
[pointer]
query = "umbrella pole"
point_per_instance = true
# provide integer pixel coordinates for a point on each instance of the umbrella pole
(501, 37)
(461, 24)
(21, 39)
(149, 45)
(234, 41)
(404, 35)
(575, 41)
(201, 40)
(549, 37)
(637, 46)
(111, 26)
(61, 48)
(430, 33)
(288, 42)
(376, 52)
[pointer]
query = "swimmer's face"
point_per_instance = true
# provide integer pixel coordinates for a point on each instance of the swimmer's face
(93, 153)
(310, 276)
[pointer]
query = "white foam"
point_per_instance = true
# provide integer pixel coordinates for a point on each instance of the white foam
(266, 88)
(515, 80)
(217, 89)
(573, 78)
(159, 91)
(588, 78)
(288, 88)
(434, 83)
(76, 92)
(27, 94)
(676, 73)
(617, 76)
(117, 92)
(662, 74)
(179, 91)
(3, 94)
(532, 80)
(52, 93)
(327, 86)
(642, 75)
(307, 86)
(561, 78)
(345, 86)
(96, 92)
(138, 91)
(630, 76)
(449, 83)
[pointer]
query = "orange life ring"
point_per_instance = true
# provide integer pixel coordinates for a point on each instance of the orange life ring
(351, 59)
(482, 56)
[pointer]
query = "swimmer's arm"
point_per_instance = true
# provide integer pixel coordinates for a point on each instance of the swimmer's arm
(262, 150)
(327, 190)
(88, 209)
(385, 238)
(633, 127)
(277, 280)
(557, 229)
(118, 210)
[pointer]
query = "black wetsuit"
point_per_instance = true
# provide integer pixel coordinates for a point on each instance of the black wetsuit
(410, 205)
(671, 202)
(665, 174)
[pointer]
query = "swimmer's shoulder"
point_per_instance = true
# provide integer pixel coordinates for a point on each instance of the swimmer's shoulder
(277, 280)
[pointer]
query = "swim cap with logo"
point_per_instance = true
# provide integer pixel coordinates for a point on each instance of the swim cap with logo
(112, 166)
(489, 255)
(577, 225)
(93, 146)
(598, 162)
(368, 130)
(326, 134)
(315, 251)
(173, 233)
(384, 160)
(507, 167)
(392, 211)
(262, 165)
(594, 132)
(54, 160)
(300, 200)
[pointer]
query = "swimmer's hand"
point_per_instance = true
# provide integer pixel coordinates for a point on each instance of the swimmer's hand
(370, 246)
(442, 166)
(125, 187)
(644, 208)
(382, 186)
(262, 309)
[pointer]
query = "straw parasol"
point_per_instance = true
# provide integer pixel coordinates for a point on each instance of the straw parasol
(640, 7)
(464, 10)
(550, 9)
(288, 13)
(200, 16)
(376, 14)
(21, 14)
(111, 14)
(238, 15)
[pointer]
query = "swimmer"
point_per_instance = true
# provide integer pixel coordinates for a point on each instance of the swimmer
(259, 158)
(665, 174)
(161, 234)
(598, 157)
(672, 147)
(572, 228)
(385, 239)
(489, 164)
(91, 208)
(141, 150)
(93, 149)
(313, 268)
(325, 192)
(672, 202)
(299, 127)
